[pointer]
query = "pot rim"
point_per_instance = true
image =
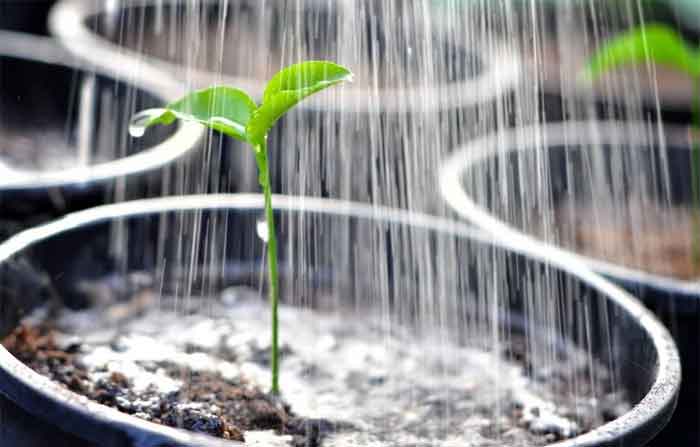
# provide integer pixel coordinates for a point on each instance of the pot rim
(44, 50)
(558, 135)
(657, 403)
(500, 75)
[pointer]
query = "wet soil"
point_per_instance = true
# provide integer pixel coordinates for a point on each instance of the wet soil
(212, 404)
(343, 384)
(653, 240)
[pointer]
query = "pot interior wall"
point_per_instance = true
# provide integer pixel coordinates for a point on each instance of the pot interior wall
(594, 198)
(55, 116)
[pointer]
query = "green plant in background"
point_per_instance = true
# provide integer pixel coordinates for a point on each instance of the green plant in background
(662, 45)
(233, 112)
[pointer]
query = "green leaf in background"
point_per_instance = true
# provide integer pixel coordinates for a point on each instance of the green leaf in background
(221, 108)
(290, 86)
(659, 44)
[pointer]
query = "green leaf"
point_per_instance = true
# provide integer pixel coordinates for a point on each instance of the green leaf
(659, 44)
(290, 86)
(225, 109)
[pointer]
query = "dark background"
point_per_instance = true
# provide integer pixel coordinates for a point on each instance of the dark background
(25, 15)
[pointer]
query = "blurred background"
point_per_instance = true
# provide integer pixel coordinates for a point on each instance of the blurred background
(474, 111)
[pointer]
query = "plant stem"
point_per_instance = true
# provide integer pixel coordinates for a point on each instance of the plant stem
(264, 178)
(695, 178)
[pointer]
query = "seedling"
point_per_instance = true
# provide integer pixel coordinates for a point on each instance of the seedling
(662, 45)
(233, 112)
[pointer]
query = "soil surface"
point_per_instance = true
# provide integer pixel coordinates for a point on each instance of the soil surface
(35, 150)
(211, 404)
(650, 239)
(204, 366)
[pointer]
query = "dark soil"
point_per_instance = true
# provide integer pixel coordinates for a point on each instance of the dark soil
(214, 405)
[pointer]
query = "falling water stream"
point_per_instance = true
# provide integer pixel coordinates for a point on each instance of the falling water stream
(430, 76)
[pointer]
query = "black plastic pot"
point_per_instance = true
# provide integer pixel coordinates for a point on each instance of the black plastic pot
(54, 108)
(18, 428)
(314, 29)
(513, 183)
(341, 135)
(359, 253)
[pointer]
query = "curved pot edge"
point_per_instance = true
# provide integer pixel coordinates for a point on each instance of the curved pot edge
(555, 134)
(184, 141)
(657, 404)
(501, 75)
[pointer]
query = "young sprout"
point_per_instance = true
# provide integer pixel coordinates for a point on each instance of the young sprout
(232, 112)
(661, 45)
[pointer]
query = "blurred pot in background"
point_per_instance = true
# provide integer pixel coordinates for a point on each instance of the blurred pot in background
(64, 142)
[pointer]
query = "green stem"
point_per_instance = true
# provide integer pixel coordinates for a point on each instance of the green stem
(264, 178)
(695, 178)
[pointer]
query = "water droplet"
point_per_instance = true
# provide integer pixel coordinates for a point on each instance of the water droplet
(261, 228)
(140, 121)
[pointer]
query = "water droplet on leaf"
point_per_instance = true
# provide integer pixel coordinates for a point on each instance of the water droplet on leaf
(140, 121)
